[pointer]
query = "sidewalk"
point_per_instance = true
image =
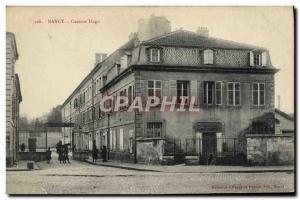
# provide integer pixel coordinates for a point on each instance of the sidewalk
(182, 168)
(22, 166)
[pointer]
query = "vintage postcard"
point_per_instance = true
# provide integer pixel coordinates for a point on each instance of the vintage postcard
(149, 100)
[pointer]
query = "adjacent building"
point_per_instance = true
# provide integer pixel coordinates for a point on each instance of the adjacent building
(13, 99)
(233, 86)
(39, 136)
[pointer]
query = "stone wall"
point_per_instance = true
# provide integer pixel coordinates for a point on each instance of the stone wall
(150, 151)
(36, 156)
(270, 149)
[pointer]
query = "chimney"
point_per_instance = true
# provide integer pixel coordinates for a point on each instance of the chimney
(99, 57)
(202, 31)
(153, 27)
(132, 35)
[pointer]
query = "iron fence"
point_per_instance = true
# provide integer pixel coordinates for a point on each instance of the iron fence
(227, 151)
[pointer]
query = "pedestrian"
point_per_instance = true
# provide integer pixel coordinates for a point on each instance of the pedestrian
(66, 154)
(104, 154)
(210, 159)
(60, 153)
(58, 145)
(48, 155)
(22, 147)
(95, 153)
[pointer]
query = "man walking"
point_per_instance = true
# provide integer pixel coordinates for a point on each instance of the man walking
(66, 154)
(48, 155)
(103, 154)
(95, 153)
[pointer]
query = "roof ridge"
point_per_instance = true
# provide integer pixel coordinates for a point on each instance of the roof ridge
(250, 46)
(161, 36)
(232, 41)
(284, 114)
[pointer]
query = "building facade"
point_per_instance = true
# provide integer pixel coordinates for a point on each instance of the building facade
(232, 85)
(53, 138)
(13, 99)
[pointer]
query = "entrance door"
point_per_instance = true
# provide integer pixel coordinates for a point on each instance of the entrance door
(209, 144)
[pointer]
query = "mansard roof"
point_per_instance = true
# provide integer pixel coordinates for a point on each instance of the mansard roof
(182, 38)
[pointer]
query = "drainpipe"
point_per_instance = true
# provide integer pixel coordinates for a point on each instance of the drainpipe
(93, 113)
(108, 135)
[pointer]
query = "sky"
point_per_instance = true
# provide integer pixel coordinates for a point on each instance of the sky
(54, 58)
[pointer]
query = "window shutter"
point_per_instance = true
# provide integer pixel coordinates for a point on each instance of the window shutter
(124, 62)
(161, 55)
(211, 57)
(201, 93)
(147, 51)
(194, 91)
(165, 88)
(172, 88)
(205, 57)
(251, 59)
(264, 58)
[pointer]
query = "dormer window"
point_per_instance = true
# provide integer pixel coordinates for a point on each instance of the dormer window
(258, 58)
(118, 68)
(104, 79)
(208, 57)
(154, 55)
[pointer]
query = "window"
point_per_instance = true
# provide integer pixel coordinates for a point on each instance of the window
(118, 68)
(183, 88)
(99, 84)
(154, 55)
(212, 93)
(83, 97)
(208, 57)
(121, 140)
(154, 88)
(114, 139)
(104, 79)
(131, 145)
(258, 94)
(110, 139)
(233, 94)
(83, 118)
(154, 129)
(96, 86)
(208, 92)
(257, 59)
(218, 95)
(130, 96)
(75, 103)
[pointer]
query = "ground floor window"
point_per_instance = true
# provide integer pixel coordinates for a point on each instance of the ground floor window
(154, 129)
(121, 140)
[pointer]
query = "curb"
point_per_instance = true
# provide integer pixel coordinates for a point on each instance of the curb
(258, 171)
(149, 170)
(121, 167)
(16, 170)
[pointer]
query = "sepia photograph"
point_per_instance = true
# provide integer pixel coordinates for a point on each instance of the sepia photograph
(150, 100)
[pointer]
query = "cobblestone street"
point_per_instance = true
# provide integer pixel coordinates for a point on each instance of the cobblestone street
(83, 178)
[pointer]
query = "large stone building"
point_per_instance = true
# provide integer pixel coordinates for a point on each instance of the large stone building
(13, 99)
(233, 86)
